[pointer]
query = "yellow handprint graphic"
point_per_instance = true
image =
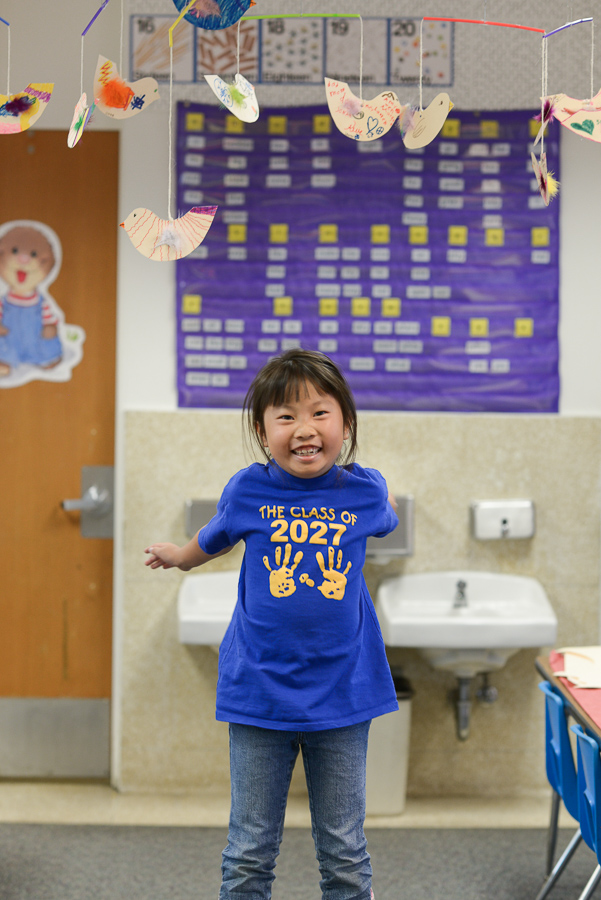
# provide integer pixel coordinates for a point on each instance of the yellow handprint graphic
(334, 584)
(281, 582)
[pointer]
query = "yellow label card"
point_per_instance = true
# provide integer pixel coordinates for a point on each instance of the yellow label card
(440, 326)
(451, 129)
(489, 128)
(328, 306)
(523, 328)
(234, 125)
(361, 306)
(418, 234)
(277, 124)
(195, 121)
(458, 235)
(236, 234)
(539, 237)
(278, 234)
(328, 234)
(478, 327)
(380, 234)
(282, 306)
(494, 237)
(322, 124)
(391, 308)
(191, 304)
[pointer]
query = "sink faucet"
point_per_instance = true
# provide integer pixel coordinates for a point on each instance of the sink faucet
(460, 597)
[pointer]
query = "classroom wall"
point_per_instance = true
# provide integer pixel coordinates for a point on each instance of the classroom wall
(164, 734)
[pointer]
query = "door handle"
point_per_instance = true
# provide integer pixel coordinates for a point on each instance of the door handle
(95, 503)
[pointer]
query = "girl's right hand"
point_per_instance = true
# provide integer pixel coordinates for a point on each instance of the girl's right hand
(163, 556)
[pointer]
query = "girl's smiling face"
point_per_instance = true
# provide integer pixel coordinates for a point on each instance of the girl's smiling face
(306, 433)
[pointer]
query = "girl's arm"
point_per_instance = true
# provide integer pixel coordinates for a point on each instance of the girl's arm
(169, 556)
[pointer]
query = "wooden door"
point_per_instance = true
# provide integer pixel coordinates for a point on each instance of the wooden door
(56, 586)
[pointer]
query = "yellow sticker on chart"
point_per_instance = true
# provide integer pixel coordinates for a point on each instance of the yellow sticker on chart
(195, 121)
(322, 125)
(328, 234)
(418, 234)
(278, 234)
(451, 129)
(380, 234)
(361, 306)
(282, 306)
(478, 327)
(191, 304)
(234, 125)
(489, 128)
(494, 237)
(328, 306)
(440, 326)
(391, 308)
(523, 328)
(539, 237)
(236, 234)
(277, 125)
(458, 235)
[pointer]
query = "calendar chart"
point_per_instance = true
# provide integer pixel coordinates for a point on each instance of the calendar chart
(430, 276)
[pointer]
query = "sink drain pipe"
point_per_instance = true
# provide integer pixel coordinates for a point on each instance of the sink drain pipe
(464, 708)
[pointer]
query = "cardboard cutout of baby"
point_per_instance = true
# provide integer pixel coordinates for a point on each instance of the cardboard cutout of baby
(35, 343)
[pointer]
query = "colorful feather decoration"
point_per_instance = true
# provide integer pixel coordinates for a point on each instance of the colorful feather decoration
(545, 116)
(547, 184)
(352, 104)
(204, 8)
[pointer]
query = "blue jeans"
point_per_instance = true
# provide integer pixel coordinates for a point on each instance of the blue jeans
(261, 762)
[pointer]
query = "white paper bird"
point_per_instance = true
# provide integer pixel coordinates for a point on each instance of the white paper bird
(164, 240)
(422, 127)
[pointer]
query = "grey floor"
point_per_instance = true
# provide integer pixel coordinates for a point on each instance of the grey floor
(70, 862)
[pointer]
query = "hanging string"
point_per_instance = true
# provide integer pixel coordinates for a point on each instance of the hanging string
(121, 44)
(81, 68)
(170, 128)
(592, 56)
(421, 62)
(361, 62)
(8, 71)
(238, 48)
(544, 76)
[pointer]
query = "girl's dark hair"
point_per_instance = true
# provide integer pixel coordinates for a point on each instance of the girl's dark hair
(282, 379)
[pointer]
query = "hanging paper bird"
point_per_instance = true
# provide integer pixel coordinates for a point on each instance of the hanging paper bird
(580, 116)
(164, 240)
(547, 184)
(423, 125)
(361, 120)
(214, 14)
(18, 112)
(81, 117)
(119, 99)
(239, 98)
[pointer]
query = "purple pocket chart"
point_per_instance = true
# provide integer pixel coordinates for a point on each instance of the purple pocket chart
(431, 277)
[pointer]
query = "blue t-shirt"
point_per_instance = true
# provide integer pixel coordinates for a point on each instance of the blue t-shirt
(303, 651)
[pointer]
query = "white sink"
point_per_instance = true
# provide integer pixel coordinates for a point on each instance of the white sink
(502, 614)
(205, 604)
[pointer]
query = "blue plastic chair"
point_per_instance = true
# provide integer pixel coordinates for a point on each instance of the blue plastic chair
(561, 774)
(589, 799)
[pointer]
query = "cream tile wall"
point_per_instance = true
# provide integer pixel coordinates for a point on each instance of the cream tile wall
(169, 737)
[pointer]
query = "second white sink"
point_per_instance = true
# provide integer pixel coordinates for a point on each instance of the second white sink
(500, 611)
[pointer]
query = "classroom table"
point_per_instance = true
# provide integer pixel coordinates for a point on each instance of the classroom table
(584, 704)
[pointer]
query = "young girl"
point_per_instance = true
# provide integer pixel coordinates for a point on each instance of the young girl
(302, 664)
